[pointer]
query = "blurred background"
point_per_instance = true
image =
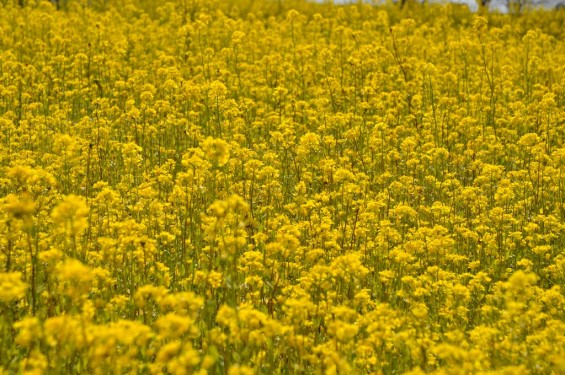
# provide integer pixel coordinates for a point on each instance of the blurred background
(494, 5)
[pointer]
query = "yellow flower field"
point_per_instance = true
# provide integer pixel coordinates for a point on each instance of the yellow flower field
(258, 187)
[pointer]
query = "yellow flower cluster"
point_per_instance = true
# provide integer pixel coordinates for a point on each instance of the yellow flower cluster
(255, 186)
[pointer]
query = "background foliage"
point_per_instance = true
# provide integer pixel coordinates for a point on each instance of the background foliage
(267, 186)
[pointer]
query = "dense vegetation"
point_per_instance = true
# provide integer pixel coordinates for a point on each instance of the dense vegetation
(192, 186)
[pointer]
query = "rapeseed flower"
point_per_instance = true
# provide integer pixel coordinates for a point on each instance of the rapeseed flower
(280, 187)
